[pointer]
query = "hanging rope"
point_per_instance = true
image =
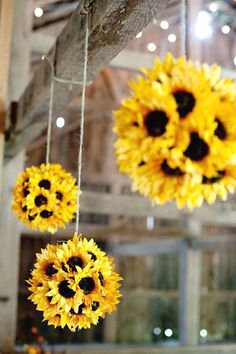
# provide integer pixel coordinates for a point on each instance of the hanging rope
(184, 19)
(80, 154)
(50, 113)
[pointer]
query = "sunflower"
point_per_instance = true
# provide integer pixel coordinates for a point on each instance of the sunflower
(74, 284)
(145, 124)
(209, 189)
(45, 197)
(176, 130)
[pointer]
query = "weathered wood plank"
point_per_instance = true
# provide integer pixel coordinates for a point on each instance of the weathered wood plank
(9, 258)
(112, 24)
(121, 349)
(107, 203)
(16, 76)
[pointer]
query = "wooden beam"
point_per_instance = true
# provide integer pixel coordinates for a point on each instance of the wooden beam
(112, 24)
(214, 349)
(9, 258)
(126, 60)
(16, 76)
(111, 204)
(140, 349)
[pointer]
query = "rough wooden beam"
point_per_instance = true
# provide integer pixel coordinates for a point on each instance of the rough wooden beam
(112, 24)
(127, 59)
(111, 204)
(139, 349)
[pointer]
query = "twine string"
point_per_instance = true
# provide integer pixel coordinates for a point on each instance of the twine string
(80, 153)
(82, 113)
(184, 29)
(50, 113)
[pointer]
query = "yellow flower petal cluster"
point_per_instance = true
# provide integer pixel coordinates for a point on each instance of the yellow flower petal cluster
(177, 133)
(74, 284)
(44, 197)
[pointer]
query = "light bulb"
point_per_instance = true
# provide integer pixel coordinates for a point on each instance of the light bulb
(152, 47)
(164, 25)
(60, 122)
(38, 12)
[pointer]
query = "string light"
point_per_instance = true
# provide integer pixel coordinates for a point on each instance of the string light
(139, 35)
(213, 7)
(152, 47)
(38, 12)
(168, 332)
(225, 29)
(172, 38)
(164, 25)
(203, 29)
(156, 331)
(203, 333)
(60, 122)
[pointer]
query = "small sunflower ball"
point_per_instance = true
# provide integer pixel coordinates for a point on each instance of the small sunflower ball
(74, 284)
(44, 198)
(177, 133)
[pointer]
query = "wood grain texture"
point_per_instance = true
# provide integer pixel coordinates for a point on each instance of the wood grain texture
(112, 24)
(211, 349)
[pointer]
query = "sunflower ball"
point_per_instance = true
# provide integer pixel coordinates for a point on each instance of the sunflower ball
(74, 284)
(177, 133)
(44, 198)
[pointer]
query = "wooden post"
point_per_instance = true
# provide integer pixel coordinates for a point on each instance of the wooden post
(6, 11)
(190, 272)
(14, 73)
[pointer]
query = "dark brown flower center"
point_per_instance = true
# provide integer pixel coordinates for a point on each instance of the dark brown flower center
(59, 195)
(45, 214)
(80, 310)
(156, 122)
(169, 171)
(185, 102)
(212, 180)
(142, 163)
(101, 278)
(75, 261)
(40, 200)
(32, 217)
(49, 299)
(50, 270)
(93, 257)
(197, 149)
(64, 289)
(95, 305)
(25, 192)
(87, 284)
(45, 183)
(220, 130)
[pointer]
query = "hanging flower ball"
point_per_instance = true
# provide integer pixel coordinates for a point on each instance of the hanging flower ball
(74, 284)
(177, 133)
(45, 197)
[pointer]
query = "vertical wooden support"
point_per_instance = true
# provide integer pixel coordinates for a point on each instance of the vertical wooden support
(194, 45)
(15, 27)
(190, 271)
(9, 258)
(6, 11)
(190, 259)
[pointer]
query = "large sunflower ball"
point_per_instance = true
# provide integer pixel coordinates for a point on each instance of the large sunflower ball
(44, 197)
(177, 133)
(74, 284)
